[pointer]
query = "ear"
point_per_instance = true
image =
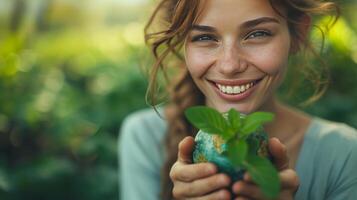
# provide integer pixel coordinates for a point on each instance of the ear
(300, 32)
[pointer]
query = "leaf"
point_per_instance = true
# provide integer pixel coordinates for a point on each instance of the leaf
(255, 120)
(263, 174)
(207, 119)
(253, 144)
(237, 151)
(234, 120)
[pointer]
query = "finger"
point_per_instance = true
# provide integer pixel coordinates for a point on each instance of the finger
(279, 153)
(241, 198)
(190, 172)
(286, 195)
(248, 178)
(185, 149)
(220, 194)
(201, 187)
(248, 190)
(289, 180)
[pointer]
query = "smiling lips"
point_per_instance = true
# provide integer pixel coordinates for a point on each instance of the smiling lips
(234, 91)
(234, 88)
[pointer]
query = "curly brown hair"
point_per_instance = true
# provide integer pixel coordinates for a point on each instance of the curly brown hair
(174, 19)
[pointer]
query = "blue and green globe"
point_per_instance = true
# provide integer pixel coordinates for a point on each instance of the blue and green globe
(212, 148)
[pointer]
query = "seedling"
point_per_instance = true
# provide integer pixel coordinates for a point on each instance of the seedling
(236, 130)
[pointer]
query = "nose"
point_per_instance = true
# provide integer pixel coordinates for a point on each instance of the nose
(230, 61)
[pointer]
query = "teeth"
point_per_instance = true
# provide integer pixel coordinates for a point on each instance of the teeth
(224, 89)
(242, 88)
(234, 89)
(229, 90)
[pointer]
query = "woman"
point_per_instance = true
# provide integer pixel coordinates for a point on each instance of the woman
(233, 54)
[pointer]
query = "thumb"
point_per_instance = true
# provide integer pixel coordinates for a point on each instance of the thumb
(185, 149)
(279, 153)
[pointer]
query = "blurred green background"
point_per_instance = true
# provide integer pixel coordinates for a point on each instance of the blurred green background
(69, 74)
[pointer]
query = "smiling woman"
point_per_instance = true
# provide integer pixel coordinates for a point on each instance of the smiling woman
(239, 49)
(234, 54)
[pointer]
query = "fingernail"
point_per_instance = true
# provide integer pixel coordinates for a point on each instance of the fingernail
(223, 194)
(211, 169)
(246, 177)
(224, 179)
(236, 187)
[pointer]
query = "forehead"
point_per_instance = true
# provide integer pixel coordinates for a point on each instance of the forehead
(235, 11)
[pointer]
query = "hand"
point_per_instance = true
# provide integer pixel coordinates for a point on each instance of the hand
(247, 189)
(197, 181)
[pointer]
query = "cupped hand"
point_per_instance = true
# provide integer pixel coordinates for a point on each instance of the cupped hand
(197, 181)
(247, 189)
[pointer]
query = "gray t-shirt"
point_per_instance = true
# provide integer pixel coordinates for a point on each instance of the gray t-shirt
(326, 166)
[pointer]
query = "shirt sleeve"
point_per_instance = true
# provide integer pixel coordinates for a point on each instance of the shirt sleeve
(345, 188)
(139, 160)
(327, 162)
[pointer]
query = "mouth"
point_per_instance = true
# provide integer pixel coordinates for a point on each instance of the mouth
(231, 88)
(235, 90)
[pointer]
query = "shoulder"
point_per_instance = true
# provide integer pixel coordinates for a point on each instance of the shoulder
(327, 160)
(145, 118)
(336, 154)
(144, 124)
(140, 141)
(331, 145)
(140, 154)
(333, 135)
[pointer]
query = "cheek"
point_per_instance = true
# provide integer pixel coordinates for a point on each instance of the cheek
(197, 61)
(272, 59)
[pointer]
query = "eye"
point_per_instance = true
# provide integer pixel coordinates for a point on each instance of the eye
(204, 38)
(258, 34)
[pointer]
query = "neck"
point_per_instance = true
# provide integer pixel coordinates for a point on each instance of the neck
(282, 126)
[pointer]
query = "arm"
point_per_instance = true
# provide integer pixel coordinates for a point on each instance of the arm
(139, 176)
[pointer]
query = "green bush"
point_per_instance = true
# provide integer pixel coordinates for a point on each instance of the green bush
(66, 87)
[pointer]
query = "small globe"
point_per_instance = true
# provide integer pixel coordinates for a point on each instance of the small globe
(212, 148)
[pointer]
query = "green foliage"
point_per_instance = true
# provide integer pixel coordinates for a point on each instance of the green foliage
(208, 120)
(260, 170)
(67, 72)
(211, 121)
(253, 121)
(237, 151)
(234, 120)
(65, 90)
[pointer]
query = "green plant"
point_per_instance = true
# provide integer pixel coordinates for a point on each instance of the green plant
(241, 150)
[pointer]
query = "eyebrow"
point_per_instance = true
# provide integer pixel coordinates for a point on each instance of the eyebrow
(247, 24)
(261, 20)
(203, 28)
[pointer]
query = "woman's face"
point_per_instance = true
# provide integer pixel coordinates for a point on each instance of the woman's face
(237, 53)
